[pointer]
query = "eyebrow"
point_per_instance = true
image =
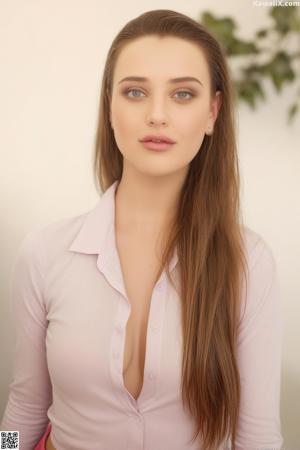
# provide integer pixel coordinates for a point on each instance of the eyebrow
(172, 80)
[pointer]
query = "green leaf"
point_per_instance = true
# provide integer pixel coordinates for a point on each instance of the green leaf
(280, 70)
(223, 28)
(295, 55)
(261, 33)
(292, 111)
(286, 19)
(254, 69)
(226, 24)
(250, 91)
(238, 47)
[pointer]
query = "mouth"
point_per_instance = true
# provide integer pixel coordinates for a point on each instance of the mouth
(158, 139)
(157, 146)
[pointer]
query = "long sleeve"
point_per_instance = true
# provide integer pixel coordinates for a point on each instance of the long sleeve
(30, 392)
(259, 355)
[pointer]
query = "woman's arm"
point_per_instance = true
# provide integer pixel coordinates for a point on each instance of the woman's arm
(30, 393)
(259, 355)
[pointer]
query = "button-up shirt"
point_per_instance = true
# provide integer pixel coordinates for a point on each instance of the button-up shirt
(70, 313)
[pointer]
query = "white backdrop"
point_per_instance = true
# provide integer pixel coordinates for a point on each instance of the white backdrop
(52, 55)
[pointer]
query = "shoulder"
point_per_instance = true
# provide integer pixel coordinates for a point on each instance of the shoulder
(43, 244)
(262, 288)
(258, 250)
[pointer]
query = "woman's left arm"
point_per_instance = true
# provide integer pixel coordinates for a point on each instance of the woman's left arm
(259, 355)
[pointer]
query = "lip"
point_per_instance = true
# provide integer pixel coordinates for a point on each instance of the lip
(164, 139)
(157, 146)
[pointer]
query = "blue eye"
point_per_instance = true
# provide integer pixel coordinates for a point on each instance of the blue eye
(185, 92)
(179, 92)
(132, 90)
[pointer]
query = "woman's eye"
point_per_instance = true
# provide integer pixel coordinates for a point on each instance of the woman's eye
(185, 92)
(179, 92)
(132, 90)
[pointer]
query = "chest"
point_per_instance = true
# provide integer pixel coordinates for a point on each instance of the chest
(140, 263)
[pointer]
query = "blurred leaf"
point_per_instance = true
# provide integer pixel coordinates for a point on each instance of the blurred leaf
(286, 19)
(226, 25)
(295, 55)
(238, 47)
(254, 69)
(292, 111)
(250, 91)
(262, 33)
(295, 23)
(222, 28)
(280, 69)
(286, 23)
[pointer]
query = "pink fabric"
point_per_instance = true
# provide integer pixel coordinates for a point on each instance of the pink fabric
(42, 443)
(70, 310)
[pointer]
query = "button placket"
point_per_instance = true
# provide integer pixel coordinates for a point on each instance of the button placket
(116, 365)
(153, 343)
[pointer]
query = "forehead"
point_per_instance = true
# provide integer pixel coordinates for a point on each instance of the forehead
(162, 58)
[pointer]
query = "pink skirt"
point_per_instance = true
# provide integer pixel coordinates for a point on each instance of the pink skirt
(42, 443)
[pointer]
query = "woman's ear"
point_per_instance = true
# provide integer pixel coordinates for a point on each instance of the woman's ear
(216, 105)
(214, 111)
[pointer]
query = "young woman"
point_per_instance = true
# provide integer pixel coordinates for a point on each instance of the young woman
(152, 321)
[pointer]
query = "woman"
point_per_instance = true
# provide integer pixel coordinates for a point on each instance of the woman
(152, 321)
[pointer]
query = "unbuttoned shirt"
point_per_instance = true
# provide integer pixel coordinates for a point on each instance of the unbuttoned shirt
(70, 310)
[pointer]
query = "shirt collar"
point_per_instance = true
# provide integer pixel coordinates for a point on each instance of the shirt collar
(97, 224)
(97, 234)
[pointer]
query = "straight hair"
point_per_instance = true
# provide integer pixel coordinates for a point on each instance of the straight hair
(207, 233)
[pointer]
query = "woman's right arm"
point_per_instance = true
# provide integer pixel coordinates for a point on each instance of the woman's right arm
(30, 392)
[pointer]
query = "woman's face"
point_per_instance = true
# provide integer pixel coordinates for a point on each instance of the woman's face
(183, 111)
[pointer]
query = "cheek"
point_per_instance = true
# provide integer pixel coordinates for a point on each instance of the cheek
(127, 127)
(192, 128)
(124, 121)
(192, 119)
(191, 131)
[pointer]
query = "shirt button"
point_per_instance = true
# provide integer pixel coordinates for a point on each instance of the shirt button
(151, 376)
(154, 328)
(136, 417)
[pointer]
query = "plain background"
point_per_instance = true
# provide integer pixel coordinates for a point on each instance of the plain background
(52, 56)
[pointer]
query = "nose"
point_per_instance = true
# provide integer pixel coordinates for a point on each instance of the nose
(156, 113)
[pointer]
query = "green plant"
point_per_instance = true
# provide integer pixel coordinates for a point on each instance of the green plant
(267, 56)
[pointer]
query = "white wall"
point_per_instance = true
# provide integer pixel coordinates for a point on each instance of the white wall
(52, 55)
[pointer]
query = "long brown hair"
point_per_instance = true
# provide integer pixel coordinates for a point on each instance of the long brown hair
(206, 232)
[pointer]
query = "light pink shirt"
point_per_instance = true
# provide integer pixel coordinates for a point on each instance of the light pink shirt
(70, 312)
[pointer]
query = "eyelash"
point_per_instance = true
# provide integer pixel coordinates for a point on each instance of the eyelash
(186, 92)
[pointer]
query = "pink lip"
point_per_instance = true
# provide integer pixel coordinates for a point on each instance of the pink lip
(163, 138)
(157, 146)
